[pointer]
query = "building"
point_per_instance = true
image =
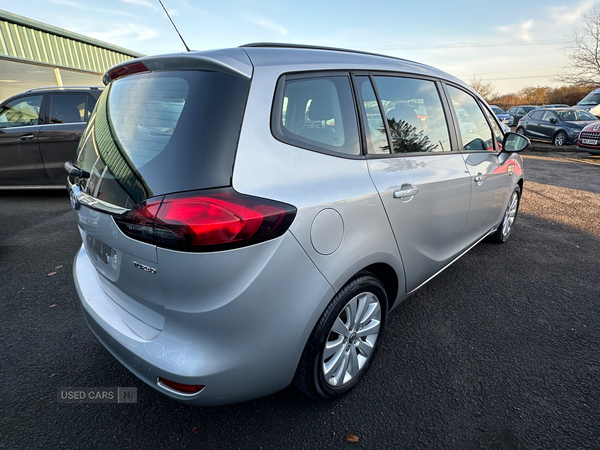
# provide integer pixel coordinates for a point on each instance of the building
(34, 54)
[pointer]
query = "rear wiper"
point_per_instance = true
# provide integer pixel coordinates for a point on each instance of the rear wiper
(76, 171)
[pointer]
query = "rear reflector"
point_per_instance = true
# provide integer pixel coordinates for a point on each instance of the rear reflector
(180, 387)
(129, 69)
(210, 220)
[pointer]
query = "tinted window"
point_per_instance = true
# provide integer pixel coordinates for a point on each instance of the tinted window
(68, 108)
(575, 114)
(163, 132)
(474, 129)
(373, 123)
(537, 115)
(414, 114)
(91, 103)
(318, 113)
(21, 112)
(548, 115)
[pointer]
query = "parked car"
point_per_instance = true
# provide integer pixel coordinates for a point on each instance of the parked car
(591, 103)
(589, 138)
(502, 115)
(260, 232)
(40, 130)
(559, 126)
(518, 112)
(555, 105)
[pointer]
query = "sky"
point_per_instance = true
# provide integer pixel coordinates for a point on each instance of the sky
(510, 44)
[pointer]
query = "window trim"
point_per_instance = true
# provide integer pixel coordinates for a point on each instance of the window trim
(277, 107)
(480, 104)
(438, 86)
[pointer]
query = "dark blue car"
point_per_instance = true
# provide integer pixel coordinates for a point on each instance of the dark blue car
(559, 126)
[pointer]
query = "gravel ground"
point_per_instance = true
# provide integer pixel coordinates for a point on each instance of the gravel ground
(501, 351)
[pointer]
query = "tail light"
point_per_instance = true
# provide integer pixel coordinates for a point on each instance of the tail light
(203, 221)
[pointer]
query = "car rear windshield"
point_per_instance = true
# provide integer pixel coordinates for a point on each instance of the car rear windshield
(163, 132)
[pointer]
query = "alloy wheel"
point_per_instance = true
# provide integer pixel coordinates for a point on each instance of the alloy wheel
(352, 339)
(509, 215)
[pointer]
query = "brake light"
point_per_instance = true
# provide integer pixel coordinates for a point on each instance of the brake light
(129, 69)
(180, 387)
(201, 221)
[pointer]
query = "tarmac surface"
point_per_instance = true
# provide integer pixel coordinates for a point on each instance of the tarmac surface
(501, 351)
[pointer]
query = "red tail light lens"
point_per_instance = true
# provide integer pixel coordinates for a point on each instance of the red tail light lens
(180, 387)
(217, 219)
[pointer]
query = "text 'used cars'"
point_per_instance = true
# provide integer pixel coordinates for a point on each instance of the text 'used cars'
(250, 216)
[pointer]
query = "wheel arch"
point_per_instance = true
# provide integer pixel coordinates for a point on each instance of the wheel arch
(388, 277)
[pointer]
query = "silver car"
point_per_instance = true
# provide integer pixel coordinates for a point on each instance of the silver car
(250, 216)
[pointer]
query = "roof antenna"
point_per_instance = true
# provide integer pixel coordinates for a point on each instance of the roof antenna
(180, 37)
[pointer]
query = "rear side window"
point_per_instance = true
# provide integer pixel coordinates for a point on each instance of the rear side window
(317, 113)
(537, 115)
(414, 115)
(163, 132)
(68, 108)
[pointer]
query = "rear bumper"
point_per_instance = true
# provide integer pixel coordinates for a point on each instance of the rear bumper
(246, 347)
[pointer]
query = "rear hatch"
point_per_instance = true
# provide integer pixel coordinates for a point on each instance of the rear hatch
(154, 132)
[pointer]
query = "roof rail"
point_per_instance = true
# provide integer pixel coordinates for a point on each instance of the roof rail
(317, 47)
(62, 88)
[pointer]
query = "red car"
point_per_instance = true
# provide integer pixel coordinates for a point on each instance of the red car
(589, 138)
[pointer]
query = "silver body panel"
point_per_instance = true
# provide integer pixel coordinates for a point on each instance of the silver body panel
(221, 318)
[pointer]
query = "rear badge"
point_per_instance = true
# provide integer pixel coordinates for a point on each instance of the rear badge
(144, 268)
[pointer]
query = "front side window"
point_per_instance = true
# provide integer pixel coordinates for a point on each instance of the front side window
(318, 113)
(495, 128)
(68, 108)
(21, 112)
(474, 129)
(414, 114)
(548, 116)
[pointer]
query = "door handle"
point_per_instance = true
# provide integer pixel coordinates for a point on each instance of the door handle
(479, 179)
(27, 136)
(407, 192)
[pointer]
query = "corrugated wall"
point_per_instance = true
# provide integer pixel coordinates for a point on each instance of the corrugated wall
(21, 42)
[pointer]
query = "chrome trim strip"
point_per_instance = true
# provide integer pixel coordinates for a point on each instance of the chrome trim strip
(492, 231)
(95, 203)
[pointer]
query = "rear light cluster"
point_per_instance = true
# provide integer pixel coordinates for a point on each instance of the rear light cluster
(202, 221)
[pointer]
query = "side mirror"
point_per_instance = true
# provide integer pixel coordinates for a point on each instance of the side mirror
(514, 142)
(552, 120)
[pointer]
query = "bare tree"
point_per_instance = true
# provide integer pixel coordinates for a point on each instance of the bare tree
(583, 68)
(486, 90)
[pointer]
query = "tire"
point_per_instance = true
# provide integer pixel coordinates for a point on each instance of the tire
(521, 131)
(560, 138)
(336, 357)
(510, 215)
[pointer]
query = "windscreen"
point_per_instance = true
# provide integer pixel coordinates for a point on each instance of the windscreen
(593, 98)
(163, 132)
